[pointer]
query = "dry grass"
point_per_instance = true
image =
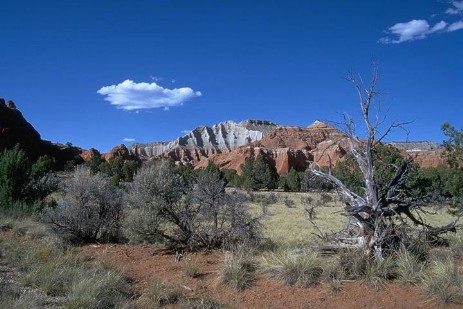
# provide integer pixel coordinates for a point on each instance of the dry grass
(288, 227)
(45, 264)
(444, 281)
(237, 270)
(190, 267)
(294, 269)
(410, 269)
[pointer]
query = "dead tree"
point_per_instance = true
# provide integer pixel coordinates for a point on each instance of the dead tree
(377, 213)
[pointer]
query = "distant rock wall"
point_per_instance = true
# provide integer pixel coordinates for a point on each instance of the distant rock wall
(205, 141)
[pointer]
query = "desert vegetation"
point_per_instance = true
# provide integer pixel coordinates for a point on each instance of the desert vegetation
(375, 218)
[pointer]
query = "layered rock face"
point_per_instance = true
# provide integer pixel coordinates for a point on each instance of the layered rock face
(288, 147)
(14, 129)
(205, 141)
(118, 151)
(229, 144)
(425, 154)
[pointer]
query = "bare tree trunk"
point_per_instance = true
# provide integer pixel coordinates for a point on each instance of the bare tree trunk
(375, 214)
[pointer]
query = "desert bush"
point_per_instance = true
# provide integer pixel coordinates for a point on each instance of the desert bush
(294, 269)
(97, 288)
(288, 202)
(357, 264)
(237, 270)
(456, 245)
(444, 281)
(154, 199)
(202, 303)
(325, 198)
(45, 264)
(159, 294)
(11, 300)
(310, 206)
(353, 263)
(160, 207)
(190, 267)
(90, 209)
(410, 269)
(377, 271)
(272, 198)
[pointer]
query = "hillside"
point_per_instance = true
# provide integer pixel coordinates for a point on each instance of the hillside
(14, 129)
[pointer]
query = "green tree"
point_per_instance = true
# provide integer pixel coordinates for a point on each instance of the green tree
(265, 173)
(232, 178)
(293, 181)
(14, 176)
(453, 146)
(95, 163)
(248, 174)
(129, 169)
(22, 182)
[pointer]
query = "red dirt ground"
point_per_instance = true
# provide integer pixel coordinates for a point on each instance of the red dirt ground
(146, 263)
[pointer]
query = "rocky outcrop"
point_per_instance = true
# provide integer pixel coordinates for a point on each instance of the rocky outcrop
(89, 155)
(14, 129)
(119, 151)
(430, 158)
(228, 144)
(425, 153)
(205, 141)
(289, 147)
(416, 146)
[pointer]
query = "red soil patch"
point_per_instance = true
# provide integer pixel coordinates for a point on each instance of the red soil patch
(146, 263)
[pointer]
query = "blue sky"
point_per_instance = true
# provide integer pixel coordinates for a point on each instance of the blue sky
(97, 72)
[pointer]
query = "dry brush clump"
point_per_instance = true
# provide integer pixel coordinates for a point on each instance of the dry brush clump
(444, 281)
(294, 269)
(237, 270)
(159, 294)
(160, 206)
(44, 263)
(89, 209)
(410, 268)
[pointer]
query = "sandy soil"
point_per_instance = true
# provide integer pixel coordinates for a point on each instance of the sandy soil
(146, 263)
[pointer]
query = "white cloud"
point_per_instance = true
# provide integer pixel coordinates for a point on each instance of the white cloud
(412, 30)
(418, 29)
(438, 27)
(129, 95)
(456, 9)
(185, 131)
(128, 139)
(455, 26)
